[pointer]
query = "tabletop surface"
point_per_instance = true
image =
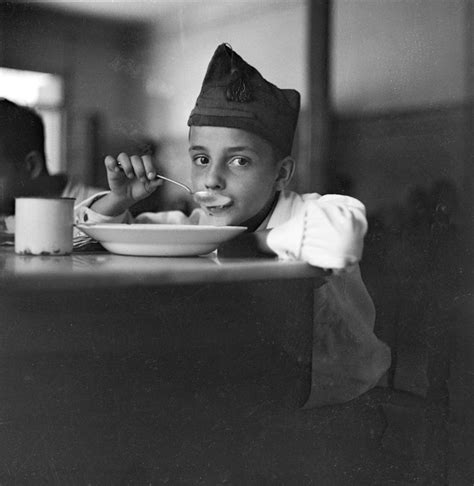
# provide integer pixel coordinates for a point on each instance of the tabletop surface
(103, 269)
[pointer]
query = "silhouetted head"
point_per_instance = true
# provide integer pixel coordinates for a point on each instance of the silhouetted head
(22, 156)
(21, 139)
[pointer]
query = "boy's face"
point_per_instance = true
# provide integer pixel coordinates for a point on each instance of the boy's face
(236, 164)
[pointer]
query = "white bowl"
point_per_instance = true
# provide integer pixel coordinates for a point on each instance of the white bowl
(160, 239)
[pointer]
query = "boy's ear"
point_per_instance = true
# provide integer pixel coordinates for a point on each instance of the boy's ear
(285, 173)
(34, 164)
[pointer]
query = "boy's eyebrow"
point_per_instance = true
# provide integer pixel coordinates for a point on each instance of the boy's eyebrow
(240, 148)
(237, 148)
(197, 147)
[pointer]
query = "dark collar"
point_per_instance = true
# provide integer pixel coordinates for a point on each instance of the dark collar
(255, 221)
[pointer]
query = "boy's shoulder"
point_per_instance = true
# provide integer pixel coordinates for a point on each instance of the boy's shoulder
(295, 198)
(288, 205)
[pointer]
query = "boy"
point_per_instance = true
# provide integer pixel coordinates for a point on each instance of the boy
(23, 170)
(240, 139)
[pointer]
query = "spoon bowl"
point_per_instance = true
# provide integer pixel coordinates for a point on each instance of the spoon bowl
(208, 198)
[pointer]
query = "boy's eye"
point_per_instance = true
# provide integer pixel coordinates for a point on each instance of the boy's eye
(239, 162)
(201, 160)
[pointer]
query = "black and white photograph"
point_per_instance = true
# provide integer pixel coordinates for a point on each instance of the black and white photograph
(236, 242)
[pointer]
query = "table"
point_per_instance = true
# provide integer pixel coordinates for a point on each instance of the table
(105, 270)
(109, 362)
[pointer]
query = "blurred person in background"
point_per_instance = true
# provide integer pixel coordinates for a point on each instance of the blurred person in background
(23, 169)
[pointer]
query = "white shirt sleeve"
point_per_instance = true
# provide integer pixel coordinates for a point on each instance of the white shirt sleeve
(325, 231)
(84, 214)
(348, 359)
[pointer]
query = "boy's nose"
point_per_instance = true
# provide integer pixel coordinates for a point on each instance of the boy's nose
(214, 178)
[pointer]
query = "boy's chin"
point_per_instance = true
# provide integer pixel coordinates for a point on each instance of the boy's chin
(222, 219)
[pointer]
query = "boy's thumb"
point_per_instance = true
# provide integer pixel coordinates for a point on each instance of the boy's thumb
(151, 186)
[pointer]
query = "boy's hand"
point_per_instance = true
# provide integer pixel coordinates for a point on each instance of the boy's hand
(131, 178)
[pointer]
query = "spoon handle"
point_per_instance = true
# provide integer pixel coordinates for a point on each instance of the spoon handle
(180, 184)
(159, 176)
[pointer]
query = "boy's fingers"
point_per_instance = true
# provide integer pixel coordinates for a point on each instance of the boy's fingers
(149, 167)
(111, 163)
(138, 167)
(126, 165)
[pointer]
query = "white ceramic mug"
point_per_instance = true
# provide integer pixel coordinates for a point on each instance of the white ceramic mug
(43, 226)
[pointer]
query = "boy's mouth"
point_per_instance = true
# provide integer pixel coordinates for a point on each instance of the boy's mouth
(219, 208)
(213, 202)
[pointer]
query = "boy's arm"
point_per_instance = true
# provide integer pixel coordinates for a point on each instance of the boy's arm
(111, 205)
(348, 359)
(327, 232)
(83, 212)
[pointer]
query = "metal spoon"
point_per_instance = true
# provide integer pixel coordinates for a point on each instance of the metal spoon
(201, 197)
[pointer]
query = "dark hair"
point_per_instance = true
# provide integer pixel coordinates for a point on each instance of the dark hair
(21, 130)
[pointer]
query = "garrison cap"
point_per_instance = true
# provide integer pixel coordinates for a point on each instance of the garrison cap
(235, 95)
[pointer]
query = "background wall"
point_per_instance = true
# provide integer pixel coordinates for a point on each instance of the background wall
(402, 95)
(398, 84)
(392, 55)
(272, 36)
(400, 87)
(103, 99)
(128, 81)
